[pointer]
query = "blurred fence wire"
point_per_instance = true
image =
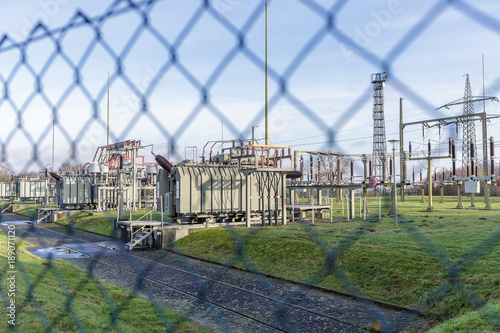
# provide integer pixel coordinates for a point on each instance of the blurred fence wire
(33, 72)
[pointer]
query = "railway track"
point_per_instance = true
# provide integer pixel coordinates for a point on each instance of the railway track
(237, 301)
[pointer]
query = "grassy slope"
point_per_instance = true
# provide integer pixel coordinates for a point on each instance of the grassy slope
(102, 222)
(88, 305)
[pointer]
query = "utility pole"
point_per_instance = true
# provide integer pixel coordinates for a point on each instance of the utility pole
(267, 103)
(485, 151)
(394, 190)
(53, 135)
(401, 151)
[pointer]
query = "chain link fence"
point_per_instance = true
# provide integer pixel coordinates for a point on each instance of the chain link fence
(42, 84)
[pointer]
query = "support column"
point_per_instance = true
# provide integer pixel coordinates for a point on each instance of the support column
(459, 187)
(487, 200)
(429, 184)
(248, 212)
(351, 207)
(283, 199)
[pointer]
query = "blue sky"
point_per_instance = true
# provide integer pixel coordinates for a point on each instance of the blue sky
(329, 86)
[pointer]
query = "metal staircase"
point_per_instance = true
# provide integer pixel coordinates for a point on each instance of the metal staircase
(6, 208)
(138, 236)
(44, 216)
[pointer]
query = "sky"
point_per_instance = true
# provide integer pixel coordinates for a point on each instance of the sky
(327, 99)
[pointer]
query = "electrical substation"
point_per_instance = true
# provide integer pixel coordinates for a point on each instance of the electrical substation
(244, 182)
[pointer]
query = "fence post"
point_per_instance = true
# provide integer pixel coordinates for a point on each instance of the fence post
(348, 209)
(360, 205)
(364, 210)
(342, 207)
(312, 201)
(331, 210)
(379, 208)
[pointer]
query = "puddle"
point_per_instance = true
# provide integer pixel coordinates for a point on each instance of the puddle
(17, 222)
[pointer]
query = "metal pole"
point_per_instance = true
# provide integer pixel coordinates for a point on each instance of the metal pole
(379, 208)
(364, 211)
(360, 206)
(107, 124)
(342, 207)
(401, 150)
(53, 135)
(331, 210)
(267, 104)
(348, 209)
(134, 170)
(395, 188)
(312, 201)
(162, 208)
(283, 199)
(429, 183)
(248, 215)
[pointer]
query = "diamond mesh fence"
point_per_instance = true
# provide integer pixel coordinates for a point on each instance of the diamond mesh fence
(48, 83)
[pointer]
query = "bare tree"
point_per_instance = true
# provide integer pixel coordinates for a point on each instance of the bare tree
(70, 167)
(5, 173)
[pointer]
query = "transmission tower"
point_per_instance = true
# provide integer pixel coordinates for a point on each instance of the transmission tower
(469, 126)
(379, 143)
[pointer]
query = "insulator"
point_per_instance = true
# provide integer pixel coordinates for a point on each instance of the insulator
(453, 153)
(409, 150)
(472, 150)
(294, 175)
(429, 147)
(449, 146)
(55, 176)
(492, 147)
(162, 161)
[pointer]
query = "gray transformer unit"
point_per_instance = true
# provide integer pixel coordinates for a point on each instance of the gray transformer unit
(26, 189)
(217, 192)
(7, 190)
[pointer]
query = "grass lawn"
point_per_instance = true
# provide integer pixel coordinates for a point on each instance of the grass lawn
(58, 296)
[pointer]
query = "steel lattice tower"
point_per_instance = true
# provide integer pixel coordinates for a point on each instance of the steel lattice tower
(379, 143)
(469, 127)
